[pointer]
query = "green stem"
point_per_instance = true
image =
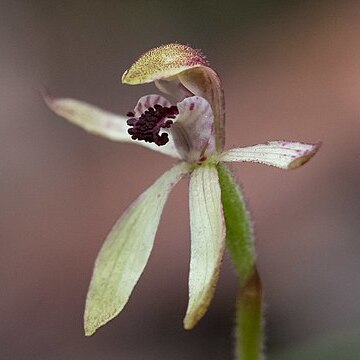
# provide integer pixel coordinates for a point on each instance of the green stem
(249, 320)
(239, 238)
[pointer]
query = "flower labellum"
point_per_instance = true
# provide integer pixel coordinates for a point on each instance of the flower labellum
(188, 126)
(148, 125)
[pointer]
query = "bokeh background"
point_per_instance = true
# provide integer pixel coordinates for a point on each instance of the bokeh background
(290, 70)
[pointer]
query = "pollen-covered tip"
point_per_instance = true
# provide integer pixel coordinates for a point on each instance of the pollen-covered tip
(163, 62)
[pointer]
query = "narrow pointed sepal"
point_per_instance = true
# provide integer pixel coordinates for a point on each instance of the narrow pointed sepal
(125, 252)
(89, 117)
(100, 122)
(281, 154)
(207, 241)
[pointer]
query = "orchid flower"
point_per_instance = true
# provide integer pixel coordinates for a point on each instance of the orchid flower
(188, 125)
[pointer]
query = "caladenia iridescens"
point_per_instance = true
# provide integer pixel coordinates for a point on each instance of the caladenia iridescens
(186, 123)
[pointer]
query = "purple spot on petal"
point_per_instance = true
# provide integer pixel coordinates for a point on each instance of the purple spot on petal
(147, 102)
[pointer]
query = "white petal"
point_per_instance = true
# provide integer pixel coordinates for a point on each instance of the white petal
(149, 101)
(207, 241)
(282, 154)
(100, 122)
(125, 252)
(205, 82)
(193, 129)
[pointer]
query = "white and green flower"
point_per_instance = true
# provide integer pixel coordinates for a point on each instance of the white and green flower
(188, 126)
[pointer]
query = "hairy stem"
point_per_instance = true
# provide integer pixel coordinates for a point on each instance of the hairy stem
(249, 320)
(239, 238)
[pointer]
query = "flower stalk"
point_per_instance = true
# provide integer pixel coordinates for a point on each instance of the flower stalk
(249, 331)
(239, 232)
(240, 243)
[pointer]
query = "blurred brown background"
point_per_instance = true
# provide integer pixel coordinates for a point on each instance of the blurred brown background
(291, 70)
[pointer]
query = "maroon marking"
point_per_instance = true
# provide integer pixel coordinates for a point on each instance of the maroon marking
(192, 105)
(139, 107)
(147, 102)
(186, 91)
